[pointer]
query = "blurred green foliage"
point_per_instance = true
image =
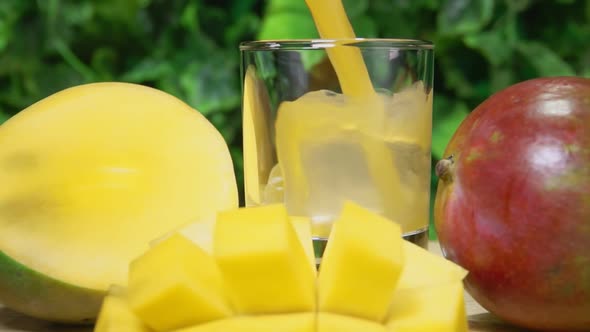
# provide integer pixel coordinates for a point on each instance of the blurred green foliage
(189, 47)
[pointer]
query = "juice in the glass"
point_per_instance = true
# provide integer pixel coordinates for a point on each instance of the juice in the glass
(374, 151)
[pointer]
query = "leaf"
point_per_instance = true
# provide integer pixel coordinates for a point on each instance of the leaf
(516, 6)
(458, 17)
(355, 8)
(447, 117)
(364, 27)
(287, 25)
(211, 85)
(490, 44)
(544, 60)
(281, 6)
(148, 69)
(3, 117)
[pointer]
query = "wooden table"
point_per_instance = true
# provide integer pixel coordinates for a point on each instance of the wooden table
(479, 319)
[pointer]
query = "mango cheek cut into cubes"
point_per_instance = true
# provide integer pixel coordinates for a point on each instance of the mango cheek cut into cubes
(177, 284)
(423, 269)
(263, 262)
(296, 322)
(361, 264)
(116, 315)
(436, 308)
(303, 228)
(329, 322)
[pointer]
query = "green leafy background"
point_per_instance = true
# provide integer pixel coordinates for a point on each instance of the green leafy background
(189, 48)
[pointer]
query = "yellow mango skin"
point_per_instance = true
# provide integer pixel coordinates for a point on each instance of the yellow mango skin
(438, 308)
(97, 171)
(329, 322)
(177, 284)
(295, 322)
(423, 269)
(116, 316)
(303, 227)
(263, 262)
(361, 264)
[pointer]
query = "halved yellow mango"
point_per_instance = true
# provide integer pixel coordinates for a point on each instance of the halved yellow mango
(89, 176)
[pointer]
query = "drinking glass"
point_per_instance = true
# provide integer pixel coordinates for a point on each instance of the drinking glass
(312, 147)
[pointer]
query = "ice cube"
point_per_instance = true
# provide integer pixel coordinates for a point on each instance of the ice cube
(274, 189)
(408, 116)
(327, 156)
(411, 205)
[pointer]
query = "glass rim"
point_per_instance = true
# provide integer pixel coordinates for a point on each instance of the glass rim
(319, 43)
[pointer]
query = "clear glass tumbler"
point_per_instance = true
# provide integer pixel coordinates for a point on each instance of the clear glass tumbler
(311, 146)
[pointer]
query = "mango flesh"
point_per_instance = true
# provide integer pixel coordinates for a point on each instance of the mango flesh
(177, 284)
(257, 120)
(361, 264)
(97, 171)
(434, 308)
(295, 322)
(303, 228)
(116, 315)
(263, 262)
(423, 269)
(257, 279)
(330, 322)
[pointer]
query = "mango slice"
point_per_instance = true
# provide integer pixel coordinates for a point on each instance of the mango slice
(303, 228)
(435, 308)
(423, 269)
(263, 262)
(176, 284)
(296, 322)
(259, 154)
(329, 322)
(361, 264)
(116, 316)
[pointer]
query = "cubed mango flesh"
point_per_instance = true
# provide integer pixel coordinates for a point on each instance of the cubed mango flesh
(423, 268)
(116, 316)
(329, 322)
(295, 322)
(302, 226)
(177, 284)
(263, 262)
(438, 308)
(361, 264)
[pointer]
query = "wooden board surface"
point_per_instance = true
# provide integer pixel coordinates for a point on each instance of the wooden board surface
(479, 319)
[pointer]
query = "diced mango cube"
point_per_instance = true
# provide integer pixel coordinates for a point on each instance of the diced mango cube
(263, 262)
(424, 268)
(436, 308)
(177, 284)
(302, 226)
(295, 322)
(361, 264)
(200, 232)
(329, 322)
(116, 316)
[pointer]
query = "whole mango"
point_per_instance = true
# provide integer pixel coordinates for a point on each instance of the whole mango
(513, 203)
